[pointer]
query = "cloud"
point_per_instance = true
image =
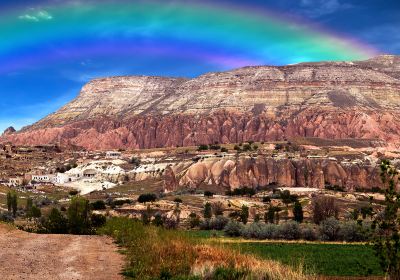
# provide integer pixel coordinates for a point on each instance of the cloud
(36, 16)
(318, 8)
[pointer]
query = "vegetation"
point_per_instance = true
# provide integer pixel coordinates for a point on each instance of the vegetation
(157, 253)
(387, 240)
(147, 197)
(298, 212)
(324, 207)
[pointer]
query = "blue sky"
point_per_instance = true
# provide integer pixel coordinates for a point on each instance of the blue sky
(30, 93)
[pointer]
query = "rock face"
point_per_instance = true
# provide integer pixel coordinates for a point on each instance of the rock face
(334, 100)
(264, 171)
(9, 131)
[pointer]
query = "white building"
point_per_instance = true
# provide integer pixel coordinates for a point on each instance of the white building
(113, 155)
(42, 178)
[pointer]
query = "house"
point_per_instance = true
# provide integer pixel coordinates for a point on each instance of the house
(42, 178)
(89, 173)
(62, 178)
(16, 181)
(113, 155)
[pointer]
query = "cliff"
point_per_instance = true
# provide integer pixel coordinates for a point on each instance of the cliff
(333, 100)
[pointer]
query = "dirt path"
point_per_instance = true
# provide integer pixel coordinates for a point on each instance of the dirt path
(40, 256)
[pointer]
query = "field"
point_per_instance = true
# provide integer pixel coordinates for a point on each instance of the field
(327, 259)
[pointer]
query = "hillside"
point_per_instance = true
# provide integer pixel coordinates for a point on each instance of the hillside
(331, 100)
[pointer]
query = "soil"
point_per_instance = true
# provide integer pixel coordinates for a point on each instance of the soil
(41, 256)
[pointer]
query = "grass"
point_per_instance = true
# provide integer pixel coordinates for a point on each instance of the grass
(157, 253)
(323, 259)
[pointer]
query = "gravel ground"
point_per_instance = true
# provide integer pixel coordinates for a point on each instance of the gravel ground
(42, 256)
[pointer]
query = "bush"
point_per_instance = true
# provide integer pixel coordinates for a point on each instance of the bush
(218, 223)
(218, 208)
(98, 220)
(79, 216)
(194, 220)
(207, 212)
(324, 207)
(308, 233)
(329, 229)
(208, 194)
(73, 192)
(148, 197)
(351, 231)
(266, 199)
(233, 228)
(298, 212)
(98, 205)
(56, 223)
(244, 214)
(290, 230)
(224, 150)
(202, 147)
(158, 220)
(178, 200)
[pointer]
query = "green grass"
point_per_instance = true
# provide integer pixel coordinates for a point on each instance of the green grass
(323, 259)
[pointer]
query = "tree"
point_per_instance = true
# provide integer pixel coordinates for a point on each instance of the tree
(298, 212)
(194, 220)
(269, 216)
(244, 214)
(148, 197)
(98, 205)
(387, 240)
(29, 204)
(324, 207)
(135, 161)
(218, 208)
(79, 216)
(35, 212)
(207, 211)
(9, 201)
(56, 223)
(208, 194)
(14, 203)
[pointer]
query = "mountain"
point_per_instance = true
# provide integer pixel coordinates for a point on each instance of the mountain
(332, 100)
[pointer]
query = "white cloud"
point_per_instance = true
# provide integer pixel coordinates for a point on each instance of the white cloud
(36, 16)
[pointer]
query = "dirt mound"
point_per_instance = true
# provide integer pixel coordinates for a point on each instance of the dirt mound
(41, 256)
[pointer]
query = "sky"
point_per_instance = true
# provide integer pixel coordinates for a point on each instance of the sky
(49, 49)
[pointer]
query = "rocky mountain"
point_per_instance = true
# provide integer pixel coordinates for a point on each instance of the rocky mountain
(332, 100)
(9, 130)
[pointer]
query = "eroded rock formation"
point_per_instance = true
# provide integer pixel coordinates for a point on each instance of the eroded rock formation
(333, 100)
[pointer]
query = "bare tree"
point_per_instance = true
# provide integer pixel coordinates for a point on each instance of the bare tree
(324, 207)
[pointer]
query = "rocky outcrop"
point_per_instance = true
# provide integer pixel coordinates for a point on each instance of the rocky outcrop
(333, 100)
(265, 171)
(8, 131)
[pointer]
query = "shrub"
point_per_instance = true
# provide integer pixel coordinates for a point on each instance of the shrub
(158, 220)
(56, 223)
(202, 147)
(298, 212)
(253, 230)
(218, 208)
(194, 220)
(329, 229)
(351, 231)
(135, 161)
(79, 216)
(98, 220)
(308, 233)
(98, 205)
(224, 150)
(324, 207)
(218, 223)
(244, 214)
(73, 192)
(148, 197)
(178, 200)
(233, 228)
(207, 212)
(266, 199)
(208, 194)
(290, 230)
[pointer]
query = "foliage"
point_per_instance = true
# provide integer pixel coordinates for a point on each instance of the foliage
(243, 191)
(194, 220)
(12, 202)
(329, 229)
(135, 161)
(56, 223)
(208, 194)
(217, 208)
(387, 241)
(244, 214)
(79, 216)
(324, 207)
(207, 213)
(290, 230)
(233, 228)
(202, 147)
(147, 197)
(298, 212)
(98, 205)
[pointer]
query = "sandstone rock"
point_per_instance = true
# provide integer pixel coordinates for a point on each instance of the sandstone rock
(332, 100)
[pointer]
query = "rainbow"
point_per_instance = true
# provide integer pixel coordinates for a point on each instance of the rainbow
(224, 35)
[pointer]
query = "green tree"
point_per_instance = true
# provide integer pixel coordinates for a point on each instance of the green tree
(9, 201)
(56, 223)
(79, 216)
(29, 204)
(35, 212)
(269, 216)
(12, 202)
(207, 210)
(298, 212)
(244, 214)
(387, 240)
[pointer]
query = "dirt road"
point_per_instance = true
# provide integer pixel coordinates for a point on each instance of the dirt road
(39, 256)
